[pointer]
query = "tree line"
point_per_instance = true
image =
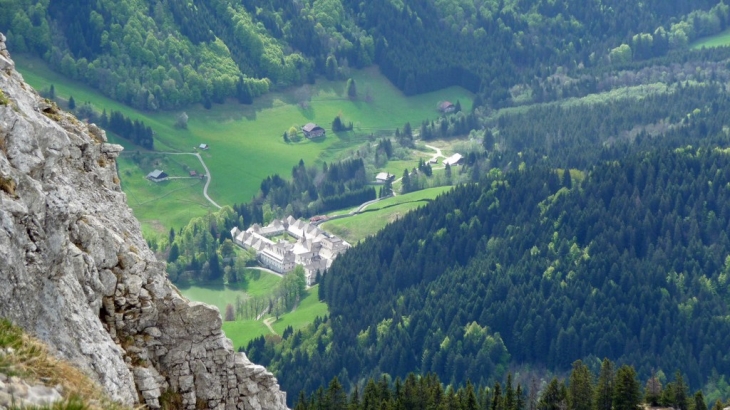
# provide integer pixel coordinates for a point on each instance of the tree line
(627, 261)
(166, 55)
(610, 389)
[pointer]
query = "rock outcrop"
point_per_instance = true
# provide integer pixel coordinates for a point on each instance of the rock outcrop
(76, 272)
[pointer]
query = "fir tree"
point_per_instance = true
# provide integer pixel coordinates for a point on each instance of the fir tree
(603, 394)
(627, 390)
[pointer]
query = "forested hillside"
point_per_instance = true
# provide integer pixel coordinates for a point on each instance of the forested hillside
(539, 267)
(163, 54)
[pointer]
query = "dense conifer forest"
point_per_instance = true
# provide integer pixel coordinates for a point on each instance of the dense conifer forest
(163, 54)
(627, 260)
(605, 388)
(591, 224)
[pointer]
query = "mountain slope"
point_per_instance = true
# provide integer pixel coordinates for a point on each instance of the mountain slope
(76, 273)
(163, 54)
(532, 268)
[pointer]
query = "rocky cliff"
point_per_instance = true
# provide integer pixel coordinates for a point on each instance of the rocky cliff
(76, 272)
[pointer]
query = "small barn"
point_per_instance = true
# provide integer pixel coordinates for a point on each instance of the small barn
(203, 147)
(455, 159)
(447, 107)
(384, 177)
(312, 130)
(157, 175)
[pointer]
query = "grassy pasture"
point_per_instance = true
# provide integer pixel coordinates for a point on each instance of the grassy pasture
(718, 40)
(246, 143)
(161, 205)
(378, 215)
(243, 331)
(309, 308)
(217, 294)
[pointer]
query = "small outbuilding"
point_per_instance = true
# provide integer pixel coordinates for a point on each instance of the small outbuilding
(312, 130)
(204, 147)
(193, 173)
(384, 177)
(157, 175)
(455, 159)
(447, 107)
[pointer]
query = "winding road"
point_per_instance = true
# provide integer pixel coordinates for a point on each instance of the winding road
(208, 176)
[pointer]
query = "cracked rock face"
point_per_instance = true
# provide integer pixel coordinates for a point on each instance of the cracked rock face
(76, 272)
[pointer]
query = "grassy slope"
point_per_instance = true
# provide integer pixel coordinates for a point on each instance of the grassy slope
(246, 141)
(378, 215)
(718, 40)
(242, 332)
(163, 204)
(217, 294)
(309, 308)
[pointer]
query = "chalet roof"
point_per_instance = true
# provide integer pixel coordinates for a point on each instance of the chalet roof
(445, 105)
(157, 174)
(203, 146)
(454, 159)
(311, 127)
(384, 176)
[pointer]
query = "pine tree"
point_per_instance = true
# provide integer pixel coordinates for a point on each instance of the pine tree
(52, 93)
(580, 391)
(699, 400)
(351, 89)
(509, 394)
(471, 398)
(567, 180)
(171, 236)
(627, 390)
(603, 394)
(553, 398)
(174, 253)
(335, 398)
(71, 103)
(520, 399)
(321, 295)
(406, 182)
(680, 392)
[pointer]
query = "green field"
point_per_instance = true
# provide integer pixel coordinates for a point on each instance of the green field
(376, 216)
(217, 294)
(718, 40)
(243, 331)
(161, 205)
(246, 143)
(309, 308)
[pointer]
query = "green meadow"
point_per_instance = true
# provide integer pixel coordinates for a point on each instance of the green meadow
(246, 143)
(309, 308)
(718, 40)
(243, 331)
(161, 205)
(218, 294)
(376, 216)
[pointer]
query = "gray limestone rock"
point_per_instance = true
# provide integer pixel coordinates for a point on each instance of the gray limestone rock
(76, 272)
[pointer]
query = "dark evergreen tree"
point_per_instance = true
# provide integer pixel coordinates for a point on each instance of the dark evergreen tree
(627, 390)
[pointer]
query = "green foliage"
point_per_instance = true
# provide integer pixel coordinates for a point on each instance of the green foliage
(627, 390)
(172, 54)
